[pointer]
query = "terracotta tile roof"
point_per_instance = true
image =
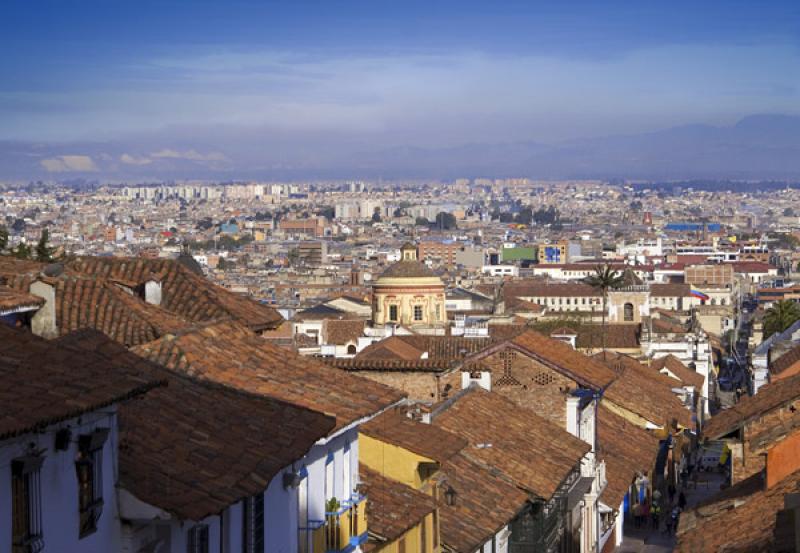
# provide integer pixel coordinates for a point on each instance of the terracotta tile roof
(534, 453)
(322, 312)
(769, 397)
(664, 326)
(669, 290)
(428, 440)
(408, 269)
(12, 300)
(563, 358)
(676, 367)
(524, 306)
(342, 332)
(229, 353)
(626, 449)
(392, 507)
(445, 347)
(618, 336)
(45, 382)
(484, 504)
(95, 293)
(83, 302)
(644, 391)
(184, 293)
(503, 332)
(392, 348)
(197, 447)
(785, 361)
(745, 525)
(389, 364)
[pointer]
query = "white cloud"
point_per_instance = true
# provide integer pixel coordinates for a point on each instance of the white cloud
(133, 160)
(66, 164)
(192, 155)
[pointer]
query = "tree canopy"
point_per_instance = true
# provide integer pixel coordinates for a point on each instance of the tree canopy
(780, 316)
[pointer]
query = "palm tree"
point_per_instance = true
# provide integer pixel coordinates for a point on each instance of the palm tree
(780, 316)
(604, 279)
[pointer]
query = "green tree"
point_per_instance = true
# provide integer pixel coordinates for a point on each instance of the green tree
(376, 215)
(43, 250)
(446, 221)
(22, 251)
(788, 212)
(421, 222)
(780, 316)
(604, 279)
(3, 238)
(525, 216)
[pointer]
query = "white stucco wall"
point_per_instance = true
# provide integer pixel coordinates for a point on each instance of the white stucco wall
(59, 487)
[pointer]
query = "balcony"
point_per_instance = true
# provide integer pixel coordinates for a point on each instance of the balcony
(312, 537)
(346, 528)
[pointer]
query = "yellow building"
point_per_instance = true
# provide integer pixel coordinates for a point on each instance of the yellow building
(408, 293)
(402, 519)
(399, 461)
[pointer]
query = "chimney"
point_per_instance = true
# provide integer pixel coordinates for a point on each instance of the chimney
(783, 459)
(152, 291)
(43, 322)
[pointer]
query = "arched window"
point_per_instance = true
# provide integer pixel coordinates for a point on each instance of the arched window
(351, 349)
(628, 312)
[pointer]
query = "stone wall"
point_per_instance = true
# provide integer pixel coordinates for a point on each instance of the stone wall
(420, 386)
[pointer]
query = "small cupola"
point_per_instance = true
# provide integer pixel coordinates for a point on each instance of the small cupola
(408, 252)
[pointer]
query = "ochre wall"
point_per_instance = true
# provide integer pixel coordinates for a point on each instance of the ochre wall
(391, 461)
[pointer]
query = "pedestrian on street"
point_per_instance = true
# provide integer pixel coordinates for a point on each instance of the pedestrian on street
(645, 514)
(671, 491)
(676, 513)
(655, 514)
(637, 515)
(682, 501)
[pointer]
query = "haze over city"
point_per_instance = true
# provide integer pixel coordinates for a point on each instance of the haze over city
(154, 90)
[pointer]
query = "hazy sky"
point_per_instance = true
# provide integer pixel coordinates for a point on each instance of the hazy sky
(432, 73)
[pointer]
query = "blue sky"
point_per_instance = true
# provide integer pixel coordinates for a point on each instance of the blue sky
(309, 78)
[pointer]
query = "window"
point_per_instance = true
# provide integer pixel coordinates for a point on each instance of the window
(423, 536)
(628, 312)
(253, 524)
(392, 312)
(417, 312)
(401, 545)
(26, 501)
(351, 349)
(89, 468)
(197, 540)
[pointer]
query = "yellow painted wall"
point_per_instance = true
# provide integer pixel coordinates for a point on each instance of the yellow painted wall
(412, 539)
(391, 461)
(625, 414)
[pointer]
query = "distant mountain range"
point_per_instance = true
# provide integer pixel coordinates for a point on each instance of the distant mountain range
(759, 147)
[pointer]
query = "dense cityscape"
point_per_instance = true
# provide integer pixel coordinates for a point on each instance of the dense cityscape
(399, 278)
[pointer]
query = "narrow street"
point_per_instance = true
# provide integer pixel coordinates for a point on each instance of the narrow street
(651, 540)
